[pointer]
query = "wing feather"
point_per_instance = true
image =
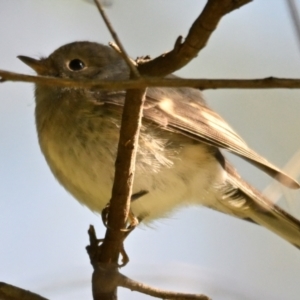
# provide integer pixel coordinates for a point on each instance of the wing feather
(183, 110)
(196, 120)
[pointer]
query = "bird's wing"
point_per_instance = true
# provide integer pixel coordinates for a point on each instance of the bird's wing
(183, 110)
(191, 117)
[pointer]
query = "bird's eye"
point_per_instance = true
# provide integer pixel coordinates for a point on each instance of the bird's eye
(76, 65)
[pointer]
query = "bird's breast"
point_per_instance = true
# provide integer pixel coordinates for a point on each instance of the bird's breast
(81, 151)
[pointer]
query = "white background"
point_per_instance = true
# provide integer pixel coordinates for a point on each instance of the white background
(43, 230)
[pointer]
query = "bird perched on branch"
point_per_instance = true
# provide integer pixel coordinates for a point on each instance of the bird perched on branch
(179, 160)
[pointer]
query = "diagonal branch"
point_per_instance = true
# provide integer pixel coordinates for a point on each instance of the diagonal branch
(10, 292)
(113, 33)
(196, 39)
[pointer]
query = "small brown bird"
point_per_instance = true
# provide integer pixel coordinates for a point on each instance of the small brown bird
(179, 161)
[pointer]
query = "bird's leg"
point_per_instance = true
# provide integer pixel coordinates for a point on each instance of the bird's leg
(132, 222)
(104, 214)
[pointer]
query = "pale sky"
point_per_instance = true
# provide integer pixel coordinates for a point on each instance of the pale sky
(43, 229)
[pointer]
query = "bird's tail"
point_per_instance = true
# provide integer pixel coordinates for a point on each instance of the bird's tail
(242, 200)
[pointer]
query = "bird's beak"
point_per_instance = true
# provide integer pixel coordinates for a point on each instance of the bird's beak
(37, 65)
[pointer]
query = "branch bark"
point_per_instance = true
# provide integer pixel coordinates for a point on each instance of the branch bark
(106, 279)
(124, 174)
(129, 133)
(202, 84)
(196, 39)
(10, 292)
(106, 276)
(154, 292)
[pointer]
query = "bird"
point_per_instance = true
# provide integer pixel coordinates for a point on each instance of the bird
(180, 159)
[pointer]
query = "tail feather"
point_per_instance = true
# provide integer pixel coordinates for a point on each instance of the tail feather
(242, 200)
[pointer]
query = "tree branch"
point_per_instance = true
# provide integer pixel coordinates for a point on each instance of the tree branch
(104, 258)
(158, 293)
(10, 292)
(202, 84)
(105, 263)
(106, 279)
(107, 260)
(113, 33)
(196, 39)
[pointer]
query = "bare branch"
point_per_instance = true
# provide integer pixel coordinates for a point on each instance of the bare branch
(106, 278)
(202, 84)
(197, 38)
(10, 292)
(123, 181)
(125, 167)
(129, 135)
(122, 51)
(294, 14)
(158, 293)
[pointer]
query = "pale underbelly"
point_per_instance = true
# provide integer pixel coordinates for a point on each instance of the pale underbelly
(191, 178)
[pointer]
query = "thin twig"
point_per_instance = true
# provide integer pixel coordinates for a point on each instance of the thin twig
(124, 174)
(117, 40)
(295, 18)
(202, 84)
(158, 293)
